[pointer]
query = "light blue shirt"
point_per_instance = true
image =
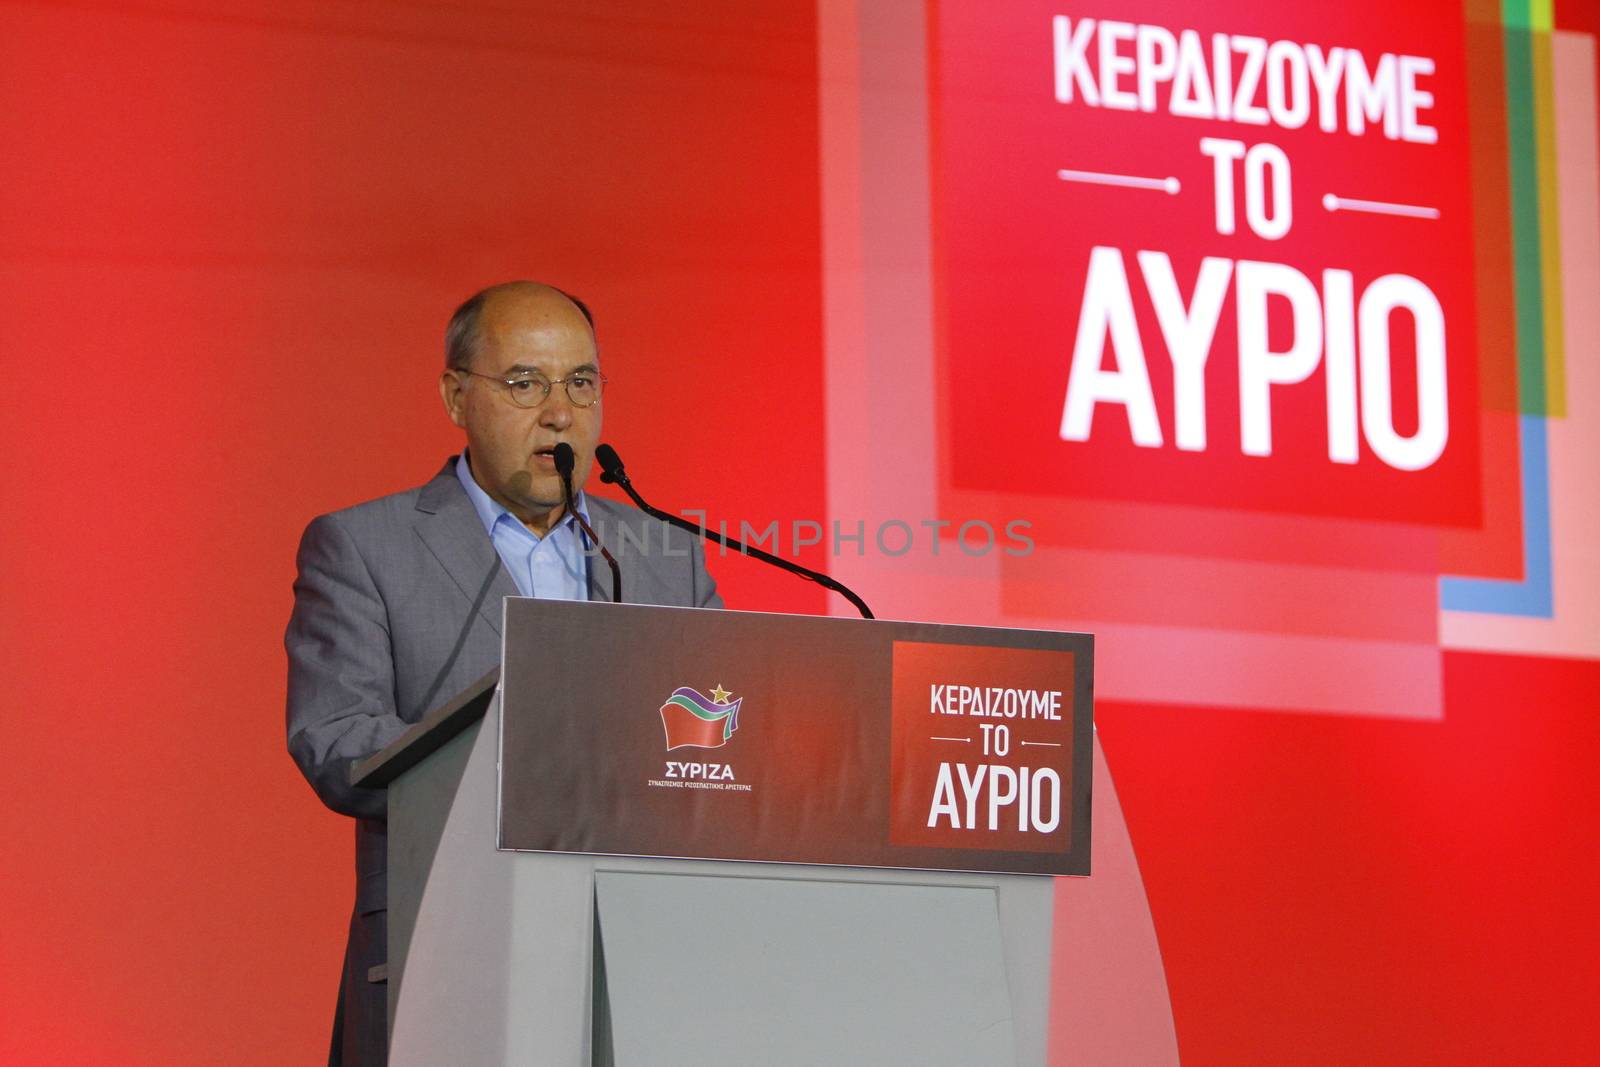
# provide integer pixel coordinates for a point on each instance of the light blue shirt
(552, 567)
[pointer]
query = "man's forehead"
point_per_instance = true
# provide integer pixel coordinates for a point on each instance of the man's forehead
(551, 355)
(548, 339)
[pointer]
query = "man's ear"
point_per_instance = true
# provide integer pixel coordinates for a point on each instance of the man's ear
(450, 391)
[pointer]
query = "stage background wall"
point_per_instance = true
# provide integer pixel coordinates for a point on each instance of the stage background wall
(1350, 719)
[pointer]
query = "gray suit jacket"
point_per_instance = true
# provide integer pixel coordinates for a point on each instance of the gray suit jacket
(397, 608)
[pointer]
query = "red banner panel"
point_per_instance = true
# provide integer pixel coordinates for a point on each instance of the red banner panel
(982, 747)
(1208, 256)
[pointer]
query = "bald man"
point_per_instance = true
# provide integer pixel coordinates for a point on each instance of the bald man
(397, 603)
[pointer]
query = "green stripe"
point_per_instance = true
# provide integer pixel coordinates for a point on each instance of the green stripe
(1527, 284)
(1519, 14)
(697, 711)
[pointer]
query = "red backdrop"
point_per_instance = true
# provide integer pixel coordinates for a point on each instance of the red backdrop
(230, 235)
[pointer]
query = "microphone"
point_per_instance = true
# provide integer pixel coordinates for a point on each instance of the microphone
(612, 473)
(565, 461)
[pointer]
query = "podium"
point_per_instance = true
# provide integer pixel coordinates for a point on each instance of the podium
(682, 836)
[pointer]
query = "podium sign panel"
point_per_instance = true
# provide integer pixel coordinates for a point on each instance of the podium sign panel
(783, 738)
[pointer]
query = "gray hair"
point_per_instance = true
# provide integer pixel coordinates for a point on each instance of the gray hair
(461, 335)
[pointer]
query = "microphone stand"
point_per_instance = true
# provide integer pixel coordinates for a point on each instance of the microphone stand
(565, 460)
(611, 472)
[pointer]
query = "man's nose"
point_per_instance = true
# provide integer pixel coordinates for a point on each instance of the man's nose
(556, 411)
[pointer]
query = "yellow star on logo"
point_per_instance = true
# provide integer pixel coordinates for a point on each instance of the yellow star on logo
(720, 695)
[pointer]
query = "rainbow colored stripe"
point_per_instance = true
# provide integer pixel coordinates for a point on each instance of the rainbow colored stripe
(1528, 198)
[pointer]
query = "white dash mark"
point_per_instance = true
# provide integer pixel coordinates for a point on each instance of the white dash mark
(1378, 207)
(1167, 185)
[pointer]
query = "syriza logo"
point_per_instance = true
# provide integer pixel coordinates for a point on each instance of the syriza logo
(691, 719)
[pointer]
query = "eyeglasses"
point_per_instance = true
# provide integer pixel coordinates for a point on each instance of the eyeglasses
(531, 390)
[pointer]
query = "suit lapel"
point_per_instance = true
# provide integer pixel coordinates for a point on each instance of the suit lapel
(450, 528)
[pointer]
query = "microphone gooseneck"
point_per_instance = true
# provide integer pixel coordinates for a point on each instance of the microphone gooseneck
(612, 473)
(565, 462)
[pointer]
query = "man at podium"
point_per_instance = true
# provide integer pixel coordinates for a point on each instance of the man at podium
(398, 600)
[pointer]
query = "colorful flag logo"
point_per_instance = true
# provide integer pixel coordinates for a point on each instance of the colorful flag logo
(692, 719)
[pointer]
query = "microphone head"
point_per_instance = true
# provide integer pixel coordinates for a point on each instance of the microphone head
(565, 460)
(610, 464)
